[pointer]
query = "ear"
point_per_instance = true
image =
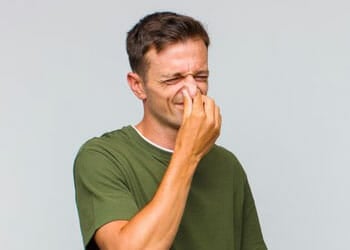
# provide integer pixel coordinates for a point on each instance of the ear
(136, 85)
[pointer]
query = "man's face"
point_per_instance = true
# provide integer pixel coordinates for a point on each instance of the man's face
(179, 66)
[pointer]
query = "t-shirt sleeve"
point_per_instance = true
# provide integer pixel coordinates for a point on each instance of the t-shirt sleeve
(252, 238)
(102, 194)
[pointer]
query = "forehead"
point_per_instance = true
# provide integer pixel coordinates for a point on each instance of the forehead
(183, 57)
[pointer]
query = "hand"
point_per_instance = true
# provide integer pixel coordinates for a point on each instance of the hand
(200, 126)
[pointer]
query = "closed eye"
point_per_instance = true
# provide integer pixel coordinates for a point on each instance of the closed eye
(201, 78)
(172, 80)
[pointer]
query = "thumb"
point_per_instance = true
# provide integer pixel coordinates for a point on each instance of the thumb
(187, 103)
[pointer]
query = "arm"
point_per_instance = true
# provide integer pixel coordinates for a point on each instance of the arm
(155, 226)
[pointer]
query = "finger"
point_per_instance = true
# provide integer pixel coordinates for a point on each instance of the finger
(209, 106)
(187, 103)
(198, 102)
(218, 118)
(212, 112)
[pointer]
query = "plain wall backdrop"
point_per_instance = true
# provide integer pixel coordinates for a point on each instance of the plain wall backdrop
(279, 71)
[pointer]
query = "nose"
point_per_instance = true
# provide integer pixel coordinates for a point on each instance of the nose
(191, 85)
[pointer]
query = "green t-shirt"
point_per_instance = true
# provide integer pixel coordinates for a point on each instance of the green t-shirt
(118, 173)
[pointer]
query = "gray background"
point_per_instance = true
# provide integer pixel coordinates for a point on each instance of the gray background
(279, 71)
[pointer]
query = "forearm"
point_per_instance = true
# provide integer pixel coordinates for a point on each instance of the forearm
(156, 225)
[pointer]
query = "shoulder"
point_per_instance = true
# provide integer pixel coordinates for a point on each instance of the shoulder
(105, 150)
(111, 144)
(109, 139)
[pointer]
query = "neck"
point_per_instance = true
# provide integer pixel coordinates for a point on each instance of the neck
(160, 135)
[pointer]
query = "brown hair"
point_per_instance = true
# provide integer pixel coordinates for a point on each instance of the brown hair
(158, 30)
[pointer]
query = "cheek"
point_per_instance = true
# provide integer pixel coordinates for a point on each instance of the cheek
(174, 91)
(160, 97)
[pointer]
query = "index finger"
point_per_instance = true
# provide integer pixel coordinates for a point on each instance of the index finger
(187, 103)
(198, 102)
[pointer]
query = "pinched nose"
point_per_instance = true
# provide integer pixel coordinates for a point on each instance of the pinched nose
(191, 85)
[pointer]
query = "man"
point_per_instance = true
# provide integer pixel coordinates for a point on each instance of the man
(164, 184)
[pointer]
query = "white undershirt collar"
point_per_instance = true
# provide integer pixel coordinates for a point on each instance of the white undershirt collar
(150, 142)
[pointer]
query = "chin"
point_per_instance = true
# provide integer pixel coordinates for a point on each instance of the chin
(176, 123)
